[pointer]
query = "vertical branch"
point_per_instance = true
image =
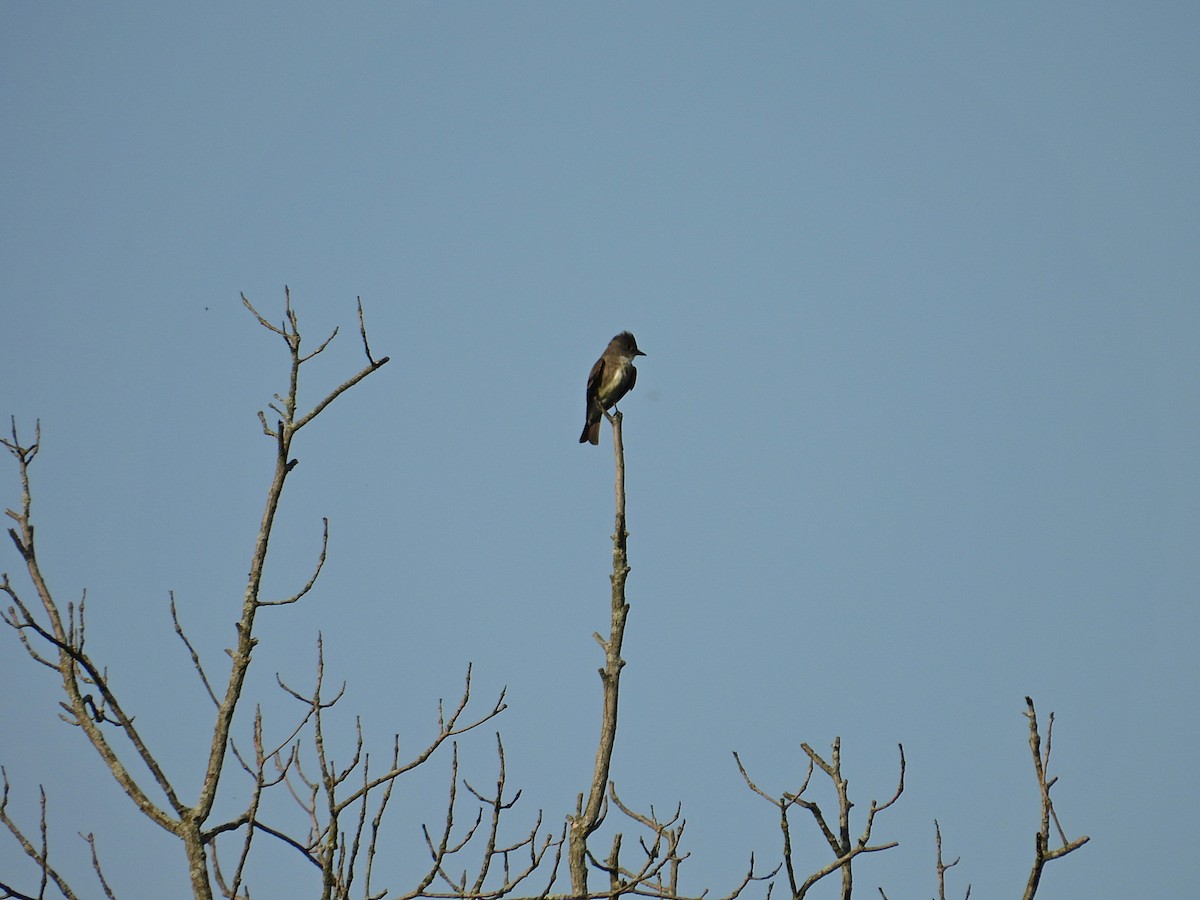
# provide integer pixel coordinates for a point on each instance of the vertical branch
(1042, 853)
(589, 817)
(241, 654)
(942, 867)
(287, 424)
(843, 794)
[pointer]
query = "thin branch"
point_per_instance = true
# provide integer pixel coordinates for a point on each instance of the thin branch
(362, 330)
(41, 854)
(321, 348)
(377, 821)
(192, 652)
(844, 850)
(337, 392)
(943, 867)
(91, 842)
(316, 573)
(262, 321)
(448, 728)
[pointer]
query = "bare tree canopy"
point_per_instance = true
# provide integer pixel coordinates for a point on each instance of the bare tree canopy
(332, 820)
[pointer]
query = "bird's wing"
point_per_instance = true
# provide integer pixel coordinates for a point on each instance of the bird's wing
(595, 378)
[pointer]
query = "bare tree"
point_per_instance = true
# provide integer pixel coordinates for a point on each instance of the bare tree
(58, 641)
(475, 853)
(343, 805)
(56, 637)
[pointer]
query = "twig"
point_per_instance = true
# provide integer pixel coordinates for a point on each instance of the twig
(192, 652)
(91, 842)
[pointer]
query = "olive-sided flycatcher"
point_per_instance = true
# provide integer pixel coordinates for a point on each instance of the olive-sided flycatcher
(612, 377)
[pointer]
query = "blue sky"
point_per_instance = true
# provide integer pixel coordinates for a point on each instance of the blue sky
(916, 434)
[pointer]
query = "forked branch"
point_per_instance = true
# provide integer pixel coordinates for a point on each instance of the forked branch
(1043, 852)
(838, 836)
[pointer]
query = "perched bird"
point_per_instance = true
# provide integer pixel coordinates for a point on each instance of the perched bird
(612, 377)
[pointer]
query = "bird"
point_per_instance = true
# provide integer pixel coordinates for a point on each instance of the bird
(612, 377)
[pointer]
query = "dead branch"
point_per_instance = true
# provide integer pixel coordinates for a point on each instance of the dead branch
(308, 586)
(287, 425)
(657, 874)
(192, 652)
(844, 848)
(362, 330)
(942, 867)
(75, 666)
(40, 854)
(328, 797)
(1042, 851)
(91, 842)
(588, 817)
(531, 849)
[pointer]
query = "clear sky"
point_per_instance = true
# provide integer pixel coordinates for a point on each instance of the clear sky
(916, 434)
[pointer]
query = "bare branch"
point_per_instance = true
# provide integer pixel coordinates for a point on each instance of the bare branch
(657, 874)
(316, 573)
(589, 816)
(22, 622)
(92, 704)
(262, 321)
(1042, 851)
(321, 348)
(362, 330)
(91, 842)
(39, 854)
(866, 835)
(942, 867)
(283, 433)
(377, 821)
(337, 392)
(75, 666)
(192, 652)
(448, 728)
(844, 849)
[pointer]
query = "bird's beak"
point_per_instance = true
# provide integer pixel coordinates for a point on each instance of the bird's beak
(638, 353)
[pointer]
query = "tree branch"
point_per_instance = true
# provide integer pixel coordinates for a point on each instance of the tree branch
(589, 817)
(844, 849)
(1042, 851)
